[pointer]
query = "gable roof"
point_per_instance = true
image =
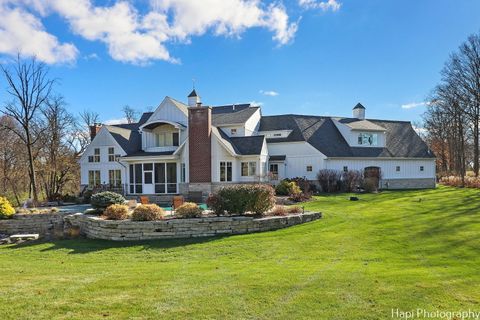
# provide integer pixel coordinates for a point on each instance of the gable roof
(232, 114)
(127, 135)
(249, 145)
(322, 134)
(361, 124)
(128, 139)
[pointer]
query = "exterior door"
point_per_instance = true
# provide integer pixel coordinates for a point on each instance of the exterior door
(148, 187)
(373, 174)
(274, 171)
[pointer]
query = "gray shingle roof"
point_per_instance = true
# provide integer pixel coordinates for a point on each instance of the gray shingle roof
(232, 114)
(250, 145)
(128, 139)
(127, 135)
(321, 133)
(359, 124)
(277, 158)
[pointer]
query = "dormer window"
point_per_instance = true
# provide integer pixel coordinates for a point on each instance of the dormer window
(233, 132)
(166, 139)
(367, 139)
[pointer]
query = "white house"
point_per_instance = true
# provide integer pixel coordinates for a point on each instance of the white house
(180, 148)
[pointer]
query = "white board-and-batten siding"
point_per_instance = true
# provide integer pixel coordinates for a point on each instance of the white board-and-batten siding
(409, 168)
(299, 155)
(102, 141)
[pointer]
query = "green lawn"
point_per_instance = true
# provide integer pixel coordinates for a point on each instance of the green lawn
(404, 249)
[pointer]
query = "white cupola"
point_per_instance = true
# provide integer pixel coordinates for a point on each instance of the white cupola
(194, 99)
(359, 111)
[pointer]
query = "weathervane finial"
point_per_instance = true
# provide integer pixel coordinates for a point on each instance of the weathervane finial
(193, 83)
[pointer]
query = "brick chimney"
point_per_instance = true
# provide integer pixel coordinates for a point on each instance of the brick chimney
(94, 129)
(199, 145)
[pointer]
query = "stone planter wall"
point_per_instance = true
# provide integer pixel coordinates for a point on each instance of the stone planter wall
(47, 225)
(96, 228)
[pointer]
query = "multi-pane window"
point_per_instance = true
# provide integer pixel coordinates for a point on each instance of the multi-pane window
(166, 139)
(248, 168)
(368, 139)
(397, 168)
(93, 178)
(111, 155)
(115, 178)
(345, 169)
(422, 168)
(233, 131)
(225, 171)
(309, 168)
(96, 155)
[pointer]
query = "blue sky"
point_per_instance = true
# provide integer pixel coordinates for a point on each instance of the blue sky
(384, 54)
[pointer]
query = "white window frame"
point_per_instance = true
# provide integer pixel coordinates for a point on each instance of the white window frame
(397, 169)
(345, 168)
(422, 168)
(183, 172)
(251, 167)
(367, 139)
(225, 165)
(96, 155)
(93, 179)
(309, 168)
(233, 131)
(115, 177)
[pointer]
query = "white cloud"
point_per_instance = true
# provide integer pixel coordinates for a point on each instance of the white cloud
(333, 5)
(139, 36)
(270, 93)
(134, 36)
(91, 56)
(116, 121)
(419, 130)
(256, 103)
(225, 17)
(412, 105)
(23, 33)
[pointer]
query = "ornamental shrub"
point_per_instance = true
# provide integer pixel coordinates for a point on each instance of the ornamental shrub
(244, 198)
(215, 203)
(148, 212)
(188, 210)
(287, 188)
(279, 211)
(294, 209)
(6, 209)
(102, 200)
(116, 212)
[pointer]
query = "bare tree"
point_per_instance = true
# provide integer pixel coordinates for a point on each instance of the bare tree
(130, 114)
(29, 87)
(14, 178)
(453, 121)
(59, 157)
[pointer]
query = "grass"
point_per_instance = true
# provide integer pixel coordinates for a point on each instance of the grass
(404, 249)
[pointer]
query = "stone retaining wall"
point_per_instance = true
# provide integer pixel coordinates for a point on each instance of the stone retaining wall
(414, 183)
(47, 225)
(96, 228)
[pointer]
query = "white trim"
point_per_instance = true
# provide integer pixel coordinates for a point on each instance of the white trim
(173, 123)
(86, 152)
